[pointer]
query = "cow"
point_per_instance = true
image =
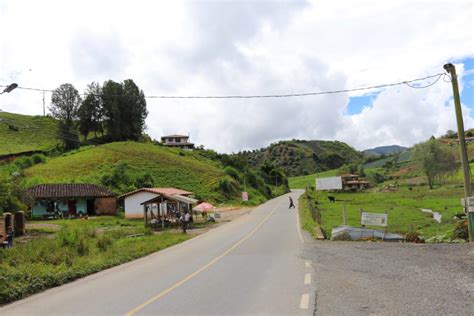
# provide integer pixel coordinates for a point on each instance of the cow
(331, 199)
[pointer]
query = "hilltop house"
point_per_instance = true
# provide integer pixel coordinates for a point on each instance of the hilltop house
(72, 199)
(133, 201)
(178, 141)
(353, 182)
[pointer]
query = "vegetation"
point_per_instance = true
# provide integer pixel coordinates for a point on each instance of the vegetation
(435, 159)
(79, 248)
(33, 133)
(301, 157)
(306, 220)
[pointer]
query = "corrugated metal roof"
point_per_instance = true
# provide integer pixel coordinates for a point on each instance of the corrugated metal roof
(69, 190)
(176, 197)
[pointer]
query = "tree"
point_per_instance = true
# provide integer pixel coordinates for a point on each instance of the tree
(435, 160)
(125, 110)
(90, 111)
(65, 102)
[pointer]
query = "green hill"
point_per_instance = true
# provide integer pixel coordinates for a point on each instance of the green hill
(302, 157)
(34, 133)
(166, 167)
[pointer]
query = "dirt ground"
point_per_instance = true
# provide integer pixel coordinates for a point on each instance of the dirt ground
(377, 278)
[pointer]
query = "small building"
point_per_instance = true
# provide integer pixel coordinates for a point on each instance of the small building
(72, 199)
(133, 200)
(353, 182)
(177, 141)
(167, 208)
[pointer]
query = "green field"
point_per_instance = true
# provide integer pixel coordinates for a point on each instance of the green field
(168, 167)
(302, 182)
(35, 133)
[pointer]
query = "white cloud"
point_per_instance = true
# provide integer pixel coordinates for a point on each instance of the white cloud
(249, 47)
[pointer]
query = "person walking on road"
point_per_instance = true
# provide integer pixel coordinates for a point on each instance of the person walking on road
(185, 220)
(292, 205)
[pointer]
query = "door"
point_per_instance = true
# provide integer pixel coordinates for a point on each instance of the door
(71, 207)
(90, 207)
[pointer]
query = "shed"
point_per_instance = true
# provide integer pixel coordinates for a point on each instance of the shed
(72, 199)
(167, 207)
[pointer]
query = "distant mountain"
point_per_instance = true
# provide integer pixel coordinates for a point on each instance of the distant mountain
(302, 157)
(385, 150)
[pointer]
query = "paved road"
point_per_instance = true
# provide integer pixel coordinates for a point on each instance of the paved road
(253, 265)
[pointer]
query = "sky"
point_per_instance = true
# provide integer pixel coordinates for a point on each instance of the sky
(252, 48)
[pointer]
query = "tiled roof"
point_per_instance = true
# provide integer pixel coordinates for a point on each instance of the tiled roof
(68, 190)
(174, 136)
(167, 191)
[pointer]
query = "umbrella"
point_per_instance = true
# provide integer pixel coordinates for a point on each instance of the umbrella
(204, 207)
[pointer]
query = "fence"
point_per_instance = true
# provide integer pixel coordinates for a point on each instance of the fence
(313, 209)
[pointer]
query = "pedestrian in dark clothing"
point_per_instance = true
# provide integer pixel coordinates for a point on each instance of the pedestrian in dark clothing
(10, 237)
(292, 205)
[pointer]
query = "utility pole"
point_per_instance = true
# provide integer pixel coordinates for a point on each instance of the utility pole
(462, 144)
(44, 109)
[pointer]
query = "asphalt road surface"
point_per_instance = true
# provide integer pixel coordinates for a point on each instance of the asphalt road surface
(261, 263)
(252, 265)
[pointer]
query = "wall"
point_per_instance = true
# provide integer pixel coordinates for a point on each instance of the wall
(133, 209)
(105, 206)
(39, 209)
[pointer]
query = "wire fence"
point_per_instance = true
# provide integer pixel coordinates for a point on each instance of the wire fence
(313, 209)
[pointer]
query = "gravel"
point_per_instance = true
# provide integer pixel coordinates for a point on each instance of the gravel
(376, 278)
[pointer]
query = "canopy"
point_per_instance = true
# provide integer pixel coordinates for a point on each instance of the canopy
(204, 207)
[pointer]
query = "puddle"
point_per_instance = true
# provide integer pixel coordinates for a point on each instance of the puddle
(436, 215)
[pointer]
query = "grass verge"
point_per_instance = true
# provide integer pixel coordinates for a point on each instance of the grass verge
(78, 249)
(306, 220)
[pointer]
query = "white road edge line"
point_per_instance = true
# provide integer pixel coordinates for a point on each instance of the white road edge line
(298, 225)
(304, 304)
(307, 278)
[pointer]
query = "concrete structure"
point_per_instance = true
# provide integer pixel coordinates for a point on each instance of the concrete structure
(178, 141)
(133, 200)
(73, 199)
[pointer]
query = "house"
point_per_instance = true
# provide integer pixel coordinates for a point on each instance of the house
(72, 199)
(178, 141)
(133, 200)
(353, 182)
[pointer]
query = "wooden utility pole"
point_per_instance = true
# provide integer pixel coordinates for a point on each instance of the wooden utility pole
(462, 143)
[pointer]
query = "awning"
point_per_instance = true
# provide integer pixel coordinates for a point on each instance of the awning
(177, 198)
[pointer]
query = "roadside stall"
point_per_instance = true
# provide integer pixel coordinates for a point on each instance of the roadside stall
(165, 210)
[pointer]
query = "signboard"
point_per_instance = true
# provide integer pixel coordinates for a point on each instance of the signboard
(331, 183)
(245, 196)
(373, 219)
(470, 202)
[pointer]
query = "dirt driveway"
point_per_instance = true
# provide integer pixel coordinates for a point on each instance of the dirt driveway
(375, 278)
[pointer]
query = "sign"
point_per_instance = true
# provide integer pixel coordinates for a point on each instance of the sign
(245, 196)
(373, 219)
(331, 183)
(470, 202)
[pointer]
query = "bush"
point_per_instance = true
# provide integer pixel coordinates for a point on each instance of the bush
(229, 187)
(38, 158)
(103, 242)
(24, 162)
(413, 237)
(232, 172)
(460, 230)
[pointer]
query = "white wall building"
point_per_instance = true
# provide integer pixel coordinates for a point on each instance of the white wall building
(133, 200)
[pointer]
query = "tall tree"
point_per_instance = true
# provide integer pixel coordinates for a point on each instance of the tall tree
(435, 159)
(65, 102)
(90, 111)
(125, 110)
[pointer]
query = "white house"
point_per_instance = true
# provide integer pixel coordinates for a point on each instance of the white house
(133, 200)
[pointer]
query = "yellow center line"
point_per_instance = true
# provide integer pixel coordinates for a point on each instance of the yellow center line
(190, 276)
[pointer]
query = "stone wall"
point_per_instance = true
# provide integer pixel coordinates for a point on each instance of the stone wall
(106, 206)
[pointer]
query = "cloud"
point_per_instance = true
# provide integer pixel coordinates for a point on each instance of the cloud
(248, 48)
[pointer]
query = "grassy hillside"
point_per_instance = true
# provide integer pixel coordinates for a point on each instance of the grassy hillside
(301, 157)
(385, 150)
(167, 167)
(26, 139)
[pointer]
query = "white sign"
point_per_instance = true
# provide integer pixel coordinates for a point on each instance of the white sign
(331, 183)
(245, 196)
(374, 219)
(470, 201)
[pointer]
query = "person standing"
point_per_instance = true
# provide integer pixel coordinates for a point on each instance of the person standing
(10, 236)
(185, 219)
(292, 205)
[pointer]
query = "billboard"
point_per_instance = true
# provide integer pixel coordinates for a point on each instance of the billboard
(331, 183)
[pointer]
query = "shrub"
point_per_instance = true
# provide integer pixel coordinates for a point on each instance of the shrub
(413, 236)
(38, 158)
(460, 230)
(24, 162)
(103, 242)
(229, 187)
(232, 172)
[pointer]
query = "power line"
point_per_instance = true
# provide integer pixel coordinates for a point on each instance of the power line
(406, 82)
